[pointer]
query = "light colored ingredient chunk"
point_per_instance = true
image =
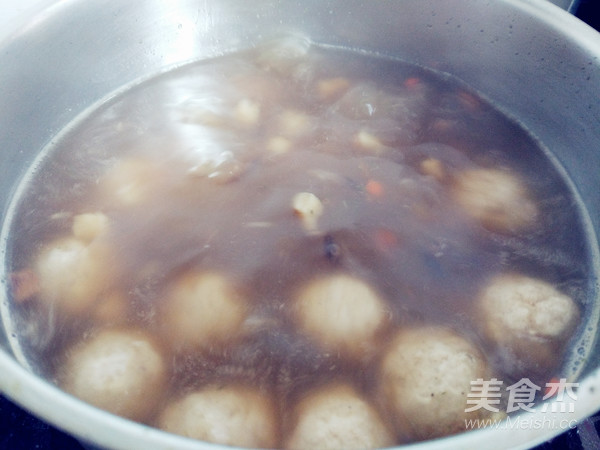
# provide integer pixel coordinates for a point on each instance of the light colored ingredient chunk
(111, 308)
(121, 371)
(308, 208)
(332, 88)
(89, 226)
(498, 199)
(228, 415)
(294, 124)
(335, 417)
(278, 145)
(72, 274)
(202, 309)
(341, 313)
(368, 141)
(433, 167)
(130, 182)
(247, 112)
(528, 319)
(425, 378)
(283, 55)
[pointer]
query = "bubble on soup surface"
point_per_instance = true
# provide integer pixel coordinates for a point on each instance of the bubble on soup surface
(72, 273)
(119, 370)
(202, 309)
(337, 416)
(341, 313)
(528, 321)
(498, 199)
(224, 414)
(425, 376)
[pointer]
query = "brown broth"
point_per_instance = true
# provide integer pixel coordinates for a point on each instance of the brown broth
(219, 198)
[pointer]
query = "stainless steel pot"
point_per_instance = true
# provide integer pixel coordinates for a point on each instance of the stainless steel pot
(532, 59)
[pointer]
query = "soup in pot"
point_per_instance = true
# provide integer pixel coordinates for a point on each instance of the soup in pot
(300, 246)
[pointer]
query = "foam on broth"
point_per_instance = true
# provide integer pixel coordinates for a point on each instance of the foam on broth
(217, 151)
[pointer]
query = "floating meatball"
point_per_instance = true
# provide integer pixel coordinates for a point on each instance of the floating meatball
(121, 371)
(528, 320)
(335, 417)
(202, 309)
(496, 198)
(229, 415)
(72, 274)
(425, 377)
(341, 312)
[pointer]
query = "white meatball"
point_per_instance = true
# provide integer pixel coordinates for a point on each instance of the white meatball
(527, 319)
(425, 377)
(230, 415)
(496, 198)
(72, 274)
(121, 371)
(341, 313)
(202, 309)
(335, 417)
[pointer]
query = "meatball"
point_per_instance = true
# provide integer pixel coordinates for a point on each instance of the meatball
(202, 309)
(334, 417)
(119, 370)
(230, 415)
(496, 198)
(341, 313)
(527, 320)
(72, 273)
(425, 376)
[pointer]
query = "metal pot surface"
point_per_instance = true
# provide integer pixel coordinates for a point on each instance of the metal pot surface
(534, 61)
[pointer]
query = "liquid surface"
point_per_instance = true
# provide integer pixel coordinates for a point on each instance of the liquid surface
(275, 168)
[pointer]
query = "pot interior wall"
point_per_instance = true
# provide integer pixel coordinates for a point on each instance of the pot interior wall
(532, 60)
